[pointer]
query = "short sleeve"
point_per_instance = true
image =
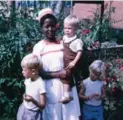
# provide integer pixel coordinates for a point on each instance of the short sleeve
(42, 87)
(25, 82)
(84, 82)
(38, 48)
(79, 45)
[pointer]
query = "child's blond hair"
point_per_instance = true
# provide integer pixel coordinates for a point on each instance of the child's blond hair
(72, 20)
(98, 69)
(31, 61)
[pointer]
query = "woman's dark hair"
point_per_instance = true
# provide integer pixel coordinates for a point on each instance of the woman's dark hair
(50, 16)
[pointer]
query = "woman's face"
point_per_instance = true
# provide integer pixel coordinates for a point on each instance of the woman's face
(49, 28)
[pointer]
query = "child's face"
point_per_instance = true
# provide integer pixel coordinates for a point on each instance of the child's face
(27, 73)
(49, 28)
(69, 30)
(93, 76)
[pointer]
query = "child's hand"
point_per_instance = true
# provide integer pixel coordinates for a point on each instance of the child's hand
(96, 96)
(91, 96)
(71, 65)
(28, 98)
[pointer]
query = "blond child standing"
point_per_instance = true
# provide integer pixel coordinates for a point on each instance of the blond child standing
(73, 47)
(34, 97)
(93, 91)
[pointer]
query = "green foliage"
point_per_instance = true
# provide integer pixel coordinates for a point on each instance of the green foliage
(113, 103)
(16, 40)
(11, 93)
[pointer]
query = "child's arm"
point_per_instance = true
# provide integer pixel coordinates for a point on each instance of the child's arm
(81, 93)
(42, 103)
(74, 62)
(82, 96)
(103, 91)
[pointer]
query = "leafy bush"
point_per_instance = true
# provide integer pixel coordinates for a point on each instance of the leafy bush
(98, 30)
(114, 88)
(16, 40)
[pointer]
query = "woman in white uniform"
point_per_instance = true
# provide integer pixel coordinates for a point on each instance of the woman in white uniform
(50, 51)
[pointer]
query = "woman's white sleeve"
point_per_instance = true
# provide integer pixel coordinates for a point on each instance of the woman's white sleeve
(36, 50)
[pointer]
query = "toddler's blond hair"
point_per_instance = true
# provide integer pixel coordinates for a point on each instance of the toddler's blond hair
(31, 61)
(98, 69)
(72, 20)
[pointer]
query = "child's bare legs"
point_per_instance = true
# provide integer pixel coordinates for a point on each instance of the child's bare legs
(66, 95)
(66, 90)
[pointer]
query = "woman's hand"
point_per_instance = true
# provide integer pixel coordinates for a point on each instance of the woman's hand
(62, 74)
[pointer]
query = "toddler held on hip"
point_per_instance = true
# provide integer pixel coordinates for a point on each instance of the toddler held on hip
(73, 47)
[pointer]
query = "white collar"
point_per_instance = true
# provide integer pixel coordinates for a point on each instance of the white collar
(68, 39)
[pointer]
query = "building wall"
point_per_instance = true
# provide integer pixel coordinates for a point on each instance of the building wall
(83, 11)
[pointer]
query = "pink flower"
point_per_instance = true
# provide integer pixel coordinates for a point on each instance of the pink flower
(121, 67)
(86, 31)
(57, 26)
(118, 60)
(113, 89)
(95, 44)
(114, 78)
(106, 80)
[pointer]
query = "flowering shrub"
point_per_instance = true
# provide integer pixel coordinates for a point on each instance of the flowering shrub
(94, 32)
(114, 88)
(90, 44)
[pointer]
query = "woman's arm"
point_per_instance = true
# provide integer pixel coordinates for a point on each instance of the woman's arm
(45, 75)
(49, 75)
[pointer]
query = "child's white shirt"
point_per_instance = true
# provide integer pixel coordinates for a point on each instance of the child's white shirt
(75, 45)
(93, 87)
(35, 89)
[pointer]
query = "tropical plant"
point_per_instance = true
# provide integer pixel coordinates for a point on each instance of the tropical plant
(113, 103)
(16, 40)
